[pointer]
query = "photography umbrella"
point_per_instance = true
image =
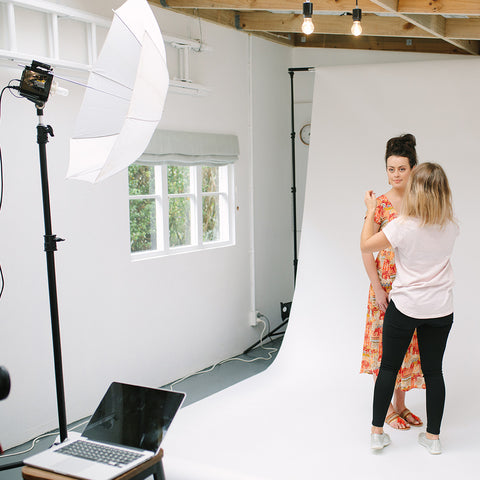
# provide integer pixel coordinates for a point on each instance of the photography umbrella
(125, 96)
(121, 108)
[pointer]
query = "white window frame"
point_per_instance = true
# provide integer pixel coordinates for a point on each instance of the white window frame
(161, 196)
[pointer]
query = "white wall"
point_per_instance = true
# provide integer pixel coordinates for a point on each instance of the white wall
(272, 178)
(148, 321)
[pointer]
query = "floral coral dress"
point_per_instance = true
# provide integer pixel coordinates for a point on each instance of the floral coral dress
(410, 374)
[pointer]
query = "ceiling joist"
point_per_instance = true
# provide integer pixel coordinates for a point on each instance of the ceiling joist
(434, 24)
(440, 26)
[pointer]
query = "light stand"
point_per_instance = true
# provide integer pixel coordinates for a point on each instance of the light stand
(285, 307)
(43, 131)
(291, 72)
(35, 86)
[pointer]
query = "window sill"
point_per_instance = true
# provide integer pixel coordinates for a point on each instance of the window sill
(139, 256)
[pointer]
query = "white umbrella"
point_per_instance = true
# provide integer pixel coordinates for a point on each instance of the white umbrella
(125, 96)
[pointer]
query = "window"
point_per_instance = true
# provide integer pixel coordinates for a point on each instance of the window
(176, 208)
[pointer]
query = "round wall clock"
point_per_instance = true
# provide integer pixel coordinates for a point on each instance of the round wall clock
(305, 134)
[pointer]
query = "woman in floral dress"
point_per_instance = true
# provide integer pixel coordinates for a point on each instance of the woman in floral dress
(400, 159)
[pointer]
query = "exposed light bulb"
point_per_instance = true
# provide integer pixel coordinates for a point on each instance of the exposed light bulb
(307, 26)
(356, 28)
(357, 17)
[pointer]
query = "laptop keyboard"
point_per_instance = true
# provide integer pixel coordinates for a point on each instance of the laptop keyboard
(99, 453)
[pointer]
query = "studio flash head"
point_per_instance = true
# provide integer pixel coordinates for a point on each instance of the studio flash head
(4, 383)
(36, 83)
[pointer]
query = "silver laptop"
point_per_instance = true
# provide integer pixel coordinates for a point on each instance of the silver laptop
(126, 430)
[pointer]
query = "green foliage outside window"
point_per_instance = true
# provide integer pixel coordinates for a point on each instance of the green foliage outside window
(210, 206)
(178, 179)
(179, 222)
(143, 229)
(211, 218)
(179, 207)
(210, 179)
(141, 181)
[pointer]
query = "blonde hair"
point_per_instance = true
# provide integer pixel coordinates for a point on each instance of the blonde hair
(428, 196)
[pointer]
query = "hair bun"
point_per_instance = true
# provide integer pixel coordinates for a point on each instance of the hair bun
(408, 138)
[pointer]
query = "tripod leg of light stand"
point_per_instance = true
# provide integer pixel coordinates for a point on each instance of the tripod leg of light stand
(10, 466)
(50, 246)
(270, 334)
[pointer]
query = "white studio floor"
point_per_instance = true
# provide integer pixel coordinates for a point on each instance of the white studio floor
(308, 415)
(281, 425)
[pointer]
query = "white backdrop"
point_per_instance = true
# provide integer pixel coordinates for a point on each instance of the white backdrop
(309, 414)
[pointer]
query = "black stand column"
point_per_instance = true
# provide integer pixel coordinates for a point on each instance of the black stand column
(43, 131)
(291, 72)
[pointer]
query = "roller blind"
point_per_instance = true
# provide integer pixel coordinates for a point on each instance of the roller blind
(190, 148)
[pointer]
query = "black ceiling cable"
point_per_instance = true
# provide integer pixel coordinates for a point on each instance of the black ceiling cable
(1, 202)
(8, 87)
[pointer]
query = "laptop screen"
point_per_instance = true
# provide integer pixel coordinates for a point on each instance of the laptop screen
(134, 416)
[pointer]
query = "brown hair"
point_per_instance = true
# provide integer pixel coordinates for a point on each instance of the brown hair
(402, 146)
(428, 196)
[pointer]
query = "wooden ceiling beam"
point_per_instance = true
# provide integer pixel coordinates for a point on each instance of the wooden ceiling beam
(463, 34)
(280, 37)
(341, 25)
(271, 5)
(451, 7)
(428, 7)
(223, 17)
(463, 29)
(423, 45)
(228, 18)
(436, 25)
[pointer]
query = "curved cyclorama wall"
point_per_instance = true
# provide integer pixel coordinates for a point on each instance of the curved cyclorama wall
(309, 415)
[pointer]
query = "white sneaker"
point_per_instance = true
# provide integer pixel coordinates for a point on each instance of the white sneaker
(433, 446)
(379, 440)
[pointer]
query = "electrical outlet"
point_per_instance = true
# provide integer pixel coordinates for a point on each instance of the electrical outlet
(285, 310)
(253, 319)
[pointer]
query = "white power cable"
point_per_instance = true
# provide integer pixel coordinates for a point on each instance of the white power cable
(34, 442)
(270, 351)
(36, 439)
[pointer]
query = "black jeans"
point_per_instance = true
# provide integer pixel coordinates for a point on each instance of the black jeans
(432, 336)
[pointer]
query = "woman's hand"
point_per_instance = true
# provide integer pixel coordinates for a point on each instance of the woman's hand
(370, 201)
(381, 298)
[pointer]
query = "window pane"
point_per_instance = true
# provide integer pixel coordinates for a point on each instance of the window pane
(142, 225)
(141, 180)
(211, 218)
(179, 221)
(178, 179)
(209, 179)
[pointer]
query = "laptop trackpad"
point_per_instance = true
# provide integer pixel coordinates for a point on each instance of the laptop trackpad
(79, 467)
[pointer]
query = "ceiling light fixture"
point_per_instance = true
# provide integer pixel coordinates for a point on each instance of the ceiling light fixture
(307, 25)
(357, 17)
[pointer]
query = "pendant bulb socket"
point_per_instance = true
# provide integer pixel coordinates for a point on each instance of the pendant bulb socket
(307, 25)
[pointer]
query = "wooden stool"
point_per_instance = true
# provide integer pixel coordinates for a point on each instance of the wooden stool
(153, 467)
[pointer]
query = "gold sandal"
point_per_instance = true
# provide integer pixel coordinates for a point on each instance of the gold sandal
(405, 413)
(394, 418)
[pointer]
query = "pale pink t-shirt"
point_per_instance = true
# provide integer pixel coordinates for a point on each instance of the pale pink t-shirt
(423, 287)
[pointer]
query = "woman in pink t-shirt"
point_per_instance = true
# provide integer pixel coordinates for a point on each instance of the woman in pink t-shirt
(421, 298)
